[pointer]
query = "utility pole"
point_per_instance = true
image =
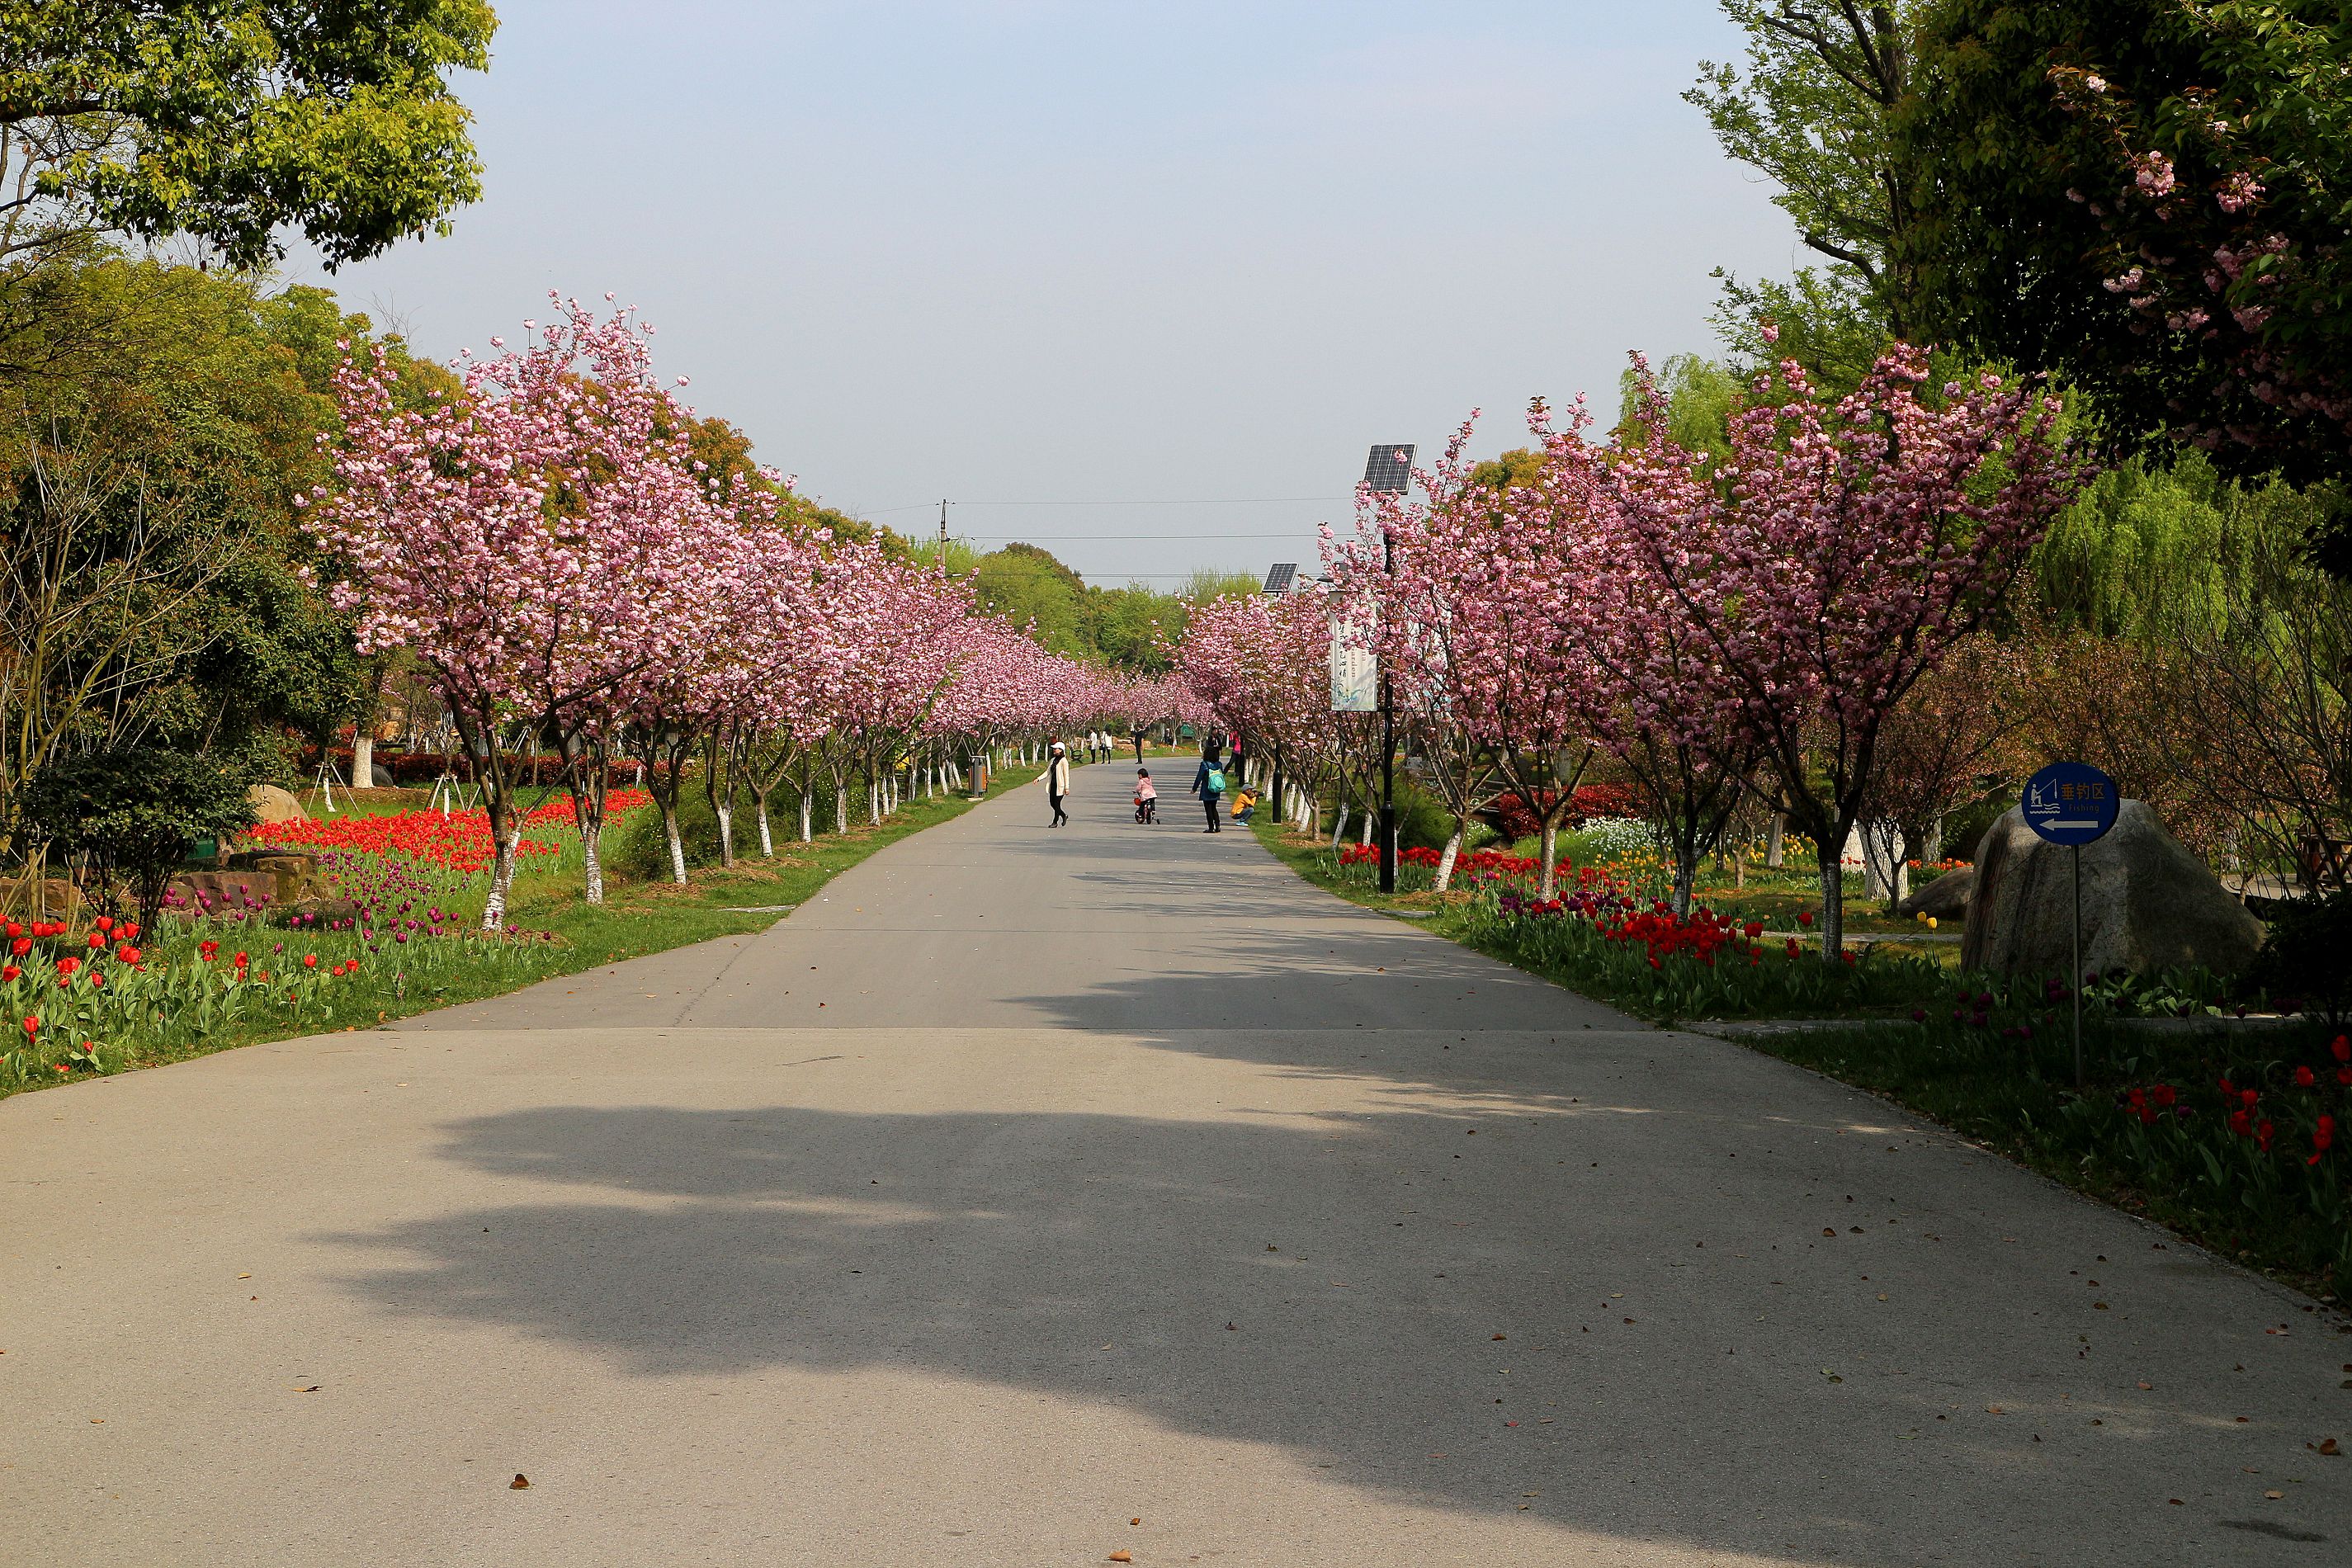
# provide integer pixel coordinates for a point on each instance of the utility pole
(943, 536)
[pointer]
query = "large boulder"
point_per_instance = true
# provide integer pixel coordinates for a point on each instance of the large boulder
(1946, 898)
(2148, 902)
(271, 804)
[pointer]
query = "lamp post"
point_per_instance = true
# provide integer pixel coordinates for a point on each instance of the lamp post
(1388, 470)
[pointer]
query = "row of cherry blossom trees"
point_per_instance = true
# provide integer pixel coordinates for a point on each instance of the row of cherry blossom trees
(1725, 631)
(547, 544)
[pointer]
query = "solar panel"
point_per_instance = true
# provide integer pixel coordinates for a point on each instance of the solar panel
(1280, 575)
(1390, 468)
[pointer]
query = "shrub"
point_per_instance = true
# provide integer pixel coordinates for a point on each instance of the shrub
(2307, 957)
(131, 814)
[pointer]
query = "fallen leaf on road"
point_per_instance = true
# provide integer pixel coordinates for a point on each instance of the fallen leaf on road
(1828, 1230)
(2148, 1385)
(520, 1483)
(2328, 1446)
(1498, 1336)
(2274, 1496)
(1121, 1556)
(1135, 1521)
(1994, 1410)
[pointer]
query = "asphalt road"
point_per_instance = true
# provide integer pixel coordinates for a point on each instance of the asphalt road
(1035, 1182)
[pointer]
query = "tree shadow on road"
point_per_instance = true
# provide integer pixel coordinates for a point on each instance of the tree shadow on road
(1455, 1323)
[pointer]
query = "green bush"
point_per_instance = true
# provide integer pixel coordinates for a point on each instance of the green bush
(131, 814)
(2307, 957)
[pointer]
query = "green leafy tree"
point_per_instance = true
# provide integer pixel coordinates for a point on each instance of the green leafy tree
(1030, 587)
(230, 120)
(1815, 109)
(2149, 199)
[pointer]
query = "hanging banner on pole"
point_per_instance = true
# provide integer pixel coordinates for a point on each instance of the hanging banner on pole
(1355, 670)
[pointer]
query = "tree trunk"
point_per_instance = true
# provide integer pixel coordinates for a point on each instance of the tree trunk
(808, 832)
(1773, 841)
(363, 758)
(677, 843)
(1685, 879)
(1453, 851)
(502, 871)
(592, 863)
(1833, 870)
(1548, 883)
(840, 807)
(767, 840)
(1339, 828)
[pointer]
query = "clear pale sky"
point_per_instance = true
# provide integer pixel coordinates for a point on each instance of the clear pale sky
(1099, 252)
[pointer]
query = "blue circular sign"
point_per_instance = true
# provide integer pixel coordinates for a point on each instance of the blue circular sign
(2069, 803)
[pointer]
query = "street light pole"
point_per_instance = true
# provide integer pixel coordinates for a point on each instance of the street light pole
(1388, 739)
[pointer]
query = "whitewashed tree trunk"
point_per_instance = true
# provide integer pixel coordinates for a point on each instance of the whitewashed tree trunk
(363, 758)
(808, 803)
(841, 808)
(1775, 839)
(767, 840)
(676, 847)
(1445, 861)
(593, 866)
(726, 814)
(1339, 828)
(502, 871)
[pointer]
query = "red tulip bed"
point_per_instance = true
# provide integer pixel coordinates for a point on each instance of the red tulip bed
(1599, 938)
(459, 840)
(406, 894)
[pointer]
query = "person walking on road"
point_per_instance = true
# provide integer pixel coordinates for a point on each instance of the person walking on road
(1209, 783)
(1057, 782)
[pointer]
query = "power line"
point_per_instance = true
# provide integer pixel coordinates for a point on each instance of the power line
(1200, 501)
(1117, 538)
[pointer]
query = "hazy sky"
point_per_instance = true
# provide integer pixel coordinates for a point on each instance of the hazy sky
(1027, 252)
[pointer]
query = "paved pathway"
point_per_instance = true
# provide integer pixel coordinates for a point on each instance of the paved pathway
(1034, 1183)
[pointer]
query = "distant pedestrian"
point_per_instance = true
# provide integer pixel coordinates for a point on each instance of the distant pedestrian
(1209, 783)
(1245, 803)
(1138, 745)
(1057, 782)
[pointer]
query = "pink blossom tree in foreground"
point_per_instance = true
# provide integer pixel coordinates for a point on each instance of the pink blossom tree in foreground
(1842, 549)
(495, 533)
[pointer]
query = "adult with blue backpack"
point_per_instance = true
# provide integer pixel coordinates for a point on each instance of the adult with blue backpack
(1209, 783)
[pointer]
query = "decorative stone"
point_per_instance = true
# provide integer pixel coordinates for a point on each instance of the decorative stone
(2148, 904)
(271, 804)
(315, 913)
(1944, 898)
(197, 893)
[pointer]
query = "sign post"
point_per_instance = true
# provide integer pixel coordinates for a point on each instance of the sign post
(2071, 803)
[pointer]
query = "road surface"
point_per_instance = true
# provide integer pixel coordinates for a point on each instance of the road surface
(1038, 1194)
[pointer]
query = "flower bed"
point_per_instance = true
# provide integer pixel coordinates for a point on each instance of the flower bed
(459, 840)
(103, 1000)
(1599, 939)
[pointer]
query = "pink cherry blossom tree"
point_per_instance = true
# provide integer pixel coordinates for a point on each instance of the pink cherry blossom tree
(1842, 549)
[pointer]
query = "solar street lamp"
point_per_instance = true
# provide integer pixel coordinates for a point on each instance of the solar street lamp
(1388, 470)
